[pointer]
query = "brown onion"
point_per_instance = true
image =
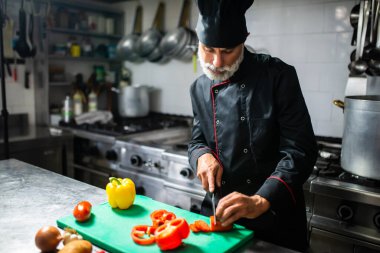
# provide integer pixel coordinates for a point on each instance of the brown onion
(48, 238)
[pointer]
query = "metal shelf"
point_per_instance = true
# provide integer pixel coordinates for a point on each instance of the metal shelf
(69, 58)
(84, 33)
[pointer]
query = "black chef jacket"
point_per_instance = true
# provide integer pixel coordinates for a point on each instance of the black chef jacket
(258, 127)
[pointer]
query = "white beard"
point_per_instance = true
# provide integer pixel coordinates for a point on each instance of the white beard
(227, 71)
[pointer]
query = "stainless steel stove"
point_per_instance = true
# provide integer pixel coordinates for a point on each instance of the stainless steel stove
(345, 212)
(160, 156)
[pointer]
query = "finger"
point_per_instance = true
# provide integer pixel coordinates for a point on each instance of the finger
(211, 181)
(229, 212)
(219, 174)
(232, 218)
(204, 181)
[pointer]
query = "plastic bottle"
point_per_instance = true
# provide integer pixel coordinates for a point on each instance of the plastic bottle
(67, 112)
(92, 102)
(78, 106)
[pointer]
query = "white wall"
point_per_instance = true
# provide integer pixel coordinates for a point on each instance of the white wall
(19, 99)
(314, 36)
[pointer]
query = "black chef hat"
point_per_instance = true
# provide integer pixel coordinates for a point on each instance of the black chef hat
(221, 23)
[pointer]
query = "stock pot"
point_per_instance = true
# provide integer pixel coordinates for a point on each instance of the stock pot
(361, 136)
(133, 100)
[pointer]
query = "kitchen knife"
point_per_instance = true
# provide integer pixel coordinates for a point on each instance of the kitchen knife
(213, 206)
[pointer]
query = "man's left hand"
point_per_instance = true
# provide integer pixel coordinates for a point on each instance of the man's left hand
(236, 205)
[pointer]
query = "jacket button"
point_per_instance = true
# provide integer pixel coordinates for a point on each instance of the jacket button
(216, 91)
(242, 118)
(248, 181)
(245, 151)
(242, 86)
(223, 182)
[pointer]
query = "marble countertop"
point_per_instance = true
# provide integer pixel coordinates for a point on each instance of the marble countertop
(31, 197)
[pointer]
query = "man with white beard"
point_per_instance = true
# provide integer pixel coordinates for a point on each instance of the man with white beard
(252, 143)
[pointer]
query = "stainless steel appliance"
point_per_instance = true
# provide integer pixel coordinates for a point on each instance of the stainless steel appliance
(157, 161)
(152, 151)
(345, 207)
(95, 154)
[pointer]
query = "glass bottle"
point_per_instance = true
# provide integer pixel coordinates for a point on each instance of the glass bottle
(92, 102)
(67, 112)
(78, 106)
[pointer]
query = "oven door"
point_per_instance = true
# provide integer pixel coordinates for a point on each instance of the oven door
(329, 242)
(91, 174)
(147, 185)
(188, 198)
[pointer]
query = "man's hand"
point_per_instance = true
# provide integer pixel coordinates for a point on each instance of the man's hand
(209, 172)
(236, 205)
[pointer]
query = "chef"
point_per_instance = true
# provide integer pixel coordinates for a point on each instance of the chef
(252, 140)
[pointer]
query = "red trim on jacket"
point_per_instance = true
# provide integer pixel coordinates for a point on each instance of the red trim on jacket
(214, 117)
(287, 187)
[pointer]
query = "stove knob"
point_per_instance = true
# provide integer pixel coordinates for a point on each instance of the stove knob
(136, 160)
(345, 212)
(376, 221)
(186, 172)
(111, 155)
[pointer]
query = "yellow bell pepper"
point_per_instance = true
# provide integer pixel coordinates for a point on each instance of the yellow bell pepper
(121, 192)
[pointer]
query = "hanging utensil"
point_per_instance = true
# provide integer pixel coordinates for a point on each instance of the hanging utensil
(359, 66)
(150, 39)
(127, 46)
(175, 40)
(354, 17)
(21, 45)
(374, 55)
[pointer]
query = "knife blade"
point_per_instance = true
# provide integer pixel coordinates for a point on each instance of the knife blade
(213, 206)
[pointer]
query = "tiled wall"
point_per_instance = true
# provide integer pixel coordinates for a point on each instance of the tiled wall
(314, 36)
(19, 98)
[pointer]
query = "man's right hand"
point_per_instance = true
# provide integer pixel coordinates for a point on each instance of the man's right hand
(209, 171)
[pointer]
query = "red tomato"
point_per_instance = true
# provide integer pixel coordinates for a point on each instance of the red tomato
(218, 226)
(82, 211)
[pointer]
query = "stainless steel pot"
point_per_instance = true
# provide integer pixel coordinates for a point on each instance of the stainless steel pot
(361, 137)
(133, 101)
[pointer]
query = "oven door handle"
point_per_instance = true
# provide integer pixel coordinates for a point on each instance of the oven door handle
(194, 192)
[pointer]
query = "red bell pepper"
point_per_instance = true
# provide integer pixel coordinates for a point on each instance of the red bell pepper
(140, 232)
(170, 235)
(217, 226)
(160, 217)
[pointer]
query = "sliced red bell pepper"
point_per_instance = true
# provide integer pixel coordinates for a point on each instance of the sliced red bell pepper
(217, 226)
(202, 226)
(140, 232)
(170, 235)
(194, 228)
(160, 217)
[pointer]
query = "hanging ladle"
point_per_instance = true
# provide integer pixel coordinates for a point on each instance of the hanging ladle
(359, 66)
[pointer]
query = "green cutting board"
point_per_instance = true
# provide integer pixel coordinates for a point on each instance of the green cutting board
(110, 229)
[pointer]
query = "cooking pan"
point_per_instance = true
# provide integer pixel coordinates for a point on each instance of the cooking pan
(127, 46)
(175, 41)
(361, 136)
(150, 39)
